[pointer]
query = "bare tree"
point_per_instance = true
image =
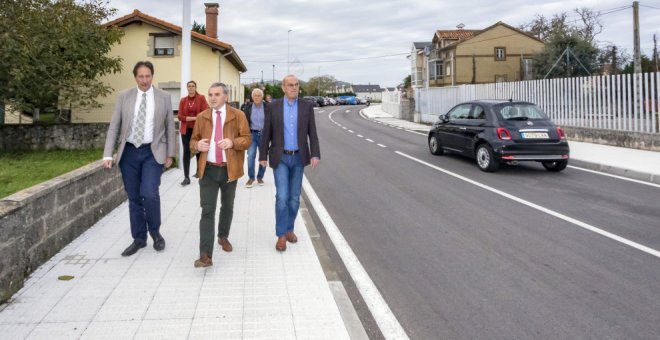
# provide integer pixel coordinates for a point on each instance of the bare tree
(591, 24)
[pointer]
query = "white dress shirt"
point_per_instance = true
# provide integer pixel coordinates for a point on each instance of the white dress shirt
(212, 144)
(149, 119)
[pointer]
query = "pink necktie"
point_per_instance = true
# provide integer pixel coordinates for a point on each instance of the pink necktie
(218, 137)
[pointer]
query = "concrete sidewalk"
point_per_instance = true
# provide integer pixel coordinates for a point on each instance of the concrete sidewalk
(254, 292)
(631, 163)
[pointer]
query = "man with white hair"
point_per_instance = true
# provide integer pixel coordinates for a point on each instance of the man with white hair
(255, 116)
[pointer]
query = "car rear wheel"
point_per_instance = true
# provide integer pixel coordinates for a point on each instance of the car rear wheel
(555, 166)
(434, 145)
(486, 160)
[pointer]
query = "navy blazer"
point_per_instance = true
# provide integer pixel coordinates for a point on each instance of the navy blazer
(272, 136)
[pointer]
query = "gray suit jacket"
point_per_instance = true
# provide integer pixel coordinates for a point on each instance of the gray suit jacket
(164, 139)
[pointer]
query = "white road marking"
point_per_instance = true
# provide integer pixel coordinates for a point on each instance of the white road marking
(345, 128)
(347, 111)
(387, 322)
(382, 146)
(540, 208)
(351, 131)
(360, 136)
(369, 140)
(615, 176)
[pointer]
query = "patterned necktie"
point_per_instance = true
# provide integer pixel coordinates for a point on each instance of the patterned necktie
(138, 135)
(218, 137)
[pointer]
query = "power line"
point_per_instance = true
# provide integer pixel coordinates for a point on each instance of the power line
(648, 6)
(330, 61)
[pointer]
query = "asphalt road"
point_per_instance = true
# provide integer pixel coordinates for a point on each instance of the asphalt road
(455, 260)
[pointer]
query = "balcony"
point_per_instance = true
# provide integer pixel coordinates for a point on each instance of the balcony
(435, 55)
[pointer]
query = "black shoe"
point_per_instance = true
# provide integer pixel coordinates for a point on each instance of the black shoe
(134, 247)
(159, 241)
(186, 181)
(195, 175)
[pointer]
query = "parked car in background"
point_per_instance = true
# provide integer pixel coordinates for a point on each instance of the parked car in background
(331, 100)
(341, 101)
(312, 100)
(350, 100)
(496, 131)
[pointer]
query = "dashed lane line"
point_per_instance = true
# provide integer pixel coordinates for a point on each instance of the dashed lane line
(550, 212)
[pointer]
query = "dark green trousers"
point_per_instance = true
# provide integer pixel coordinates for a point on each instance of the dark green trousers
(214, 180)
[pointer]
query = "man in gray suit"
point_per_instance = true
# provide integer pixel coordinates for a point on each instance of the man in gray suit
(143, 121)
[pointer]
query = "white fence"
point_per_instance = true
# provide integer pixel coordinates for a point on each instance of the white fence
(605, 102)
(391, 101)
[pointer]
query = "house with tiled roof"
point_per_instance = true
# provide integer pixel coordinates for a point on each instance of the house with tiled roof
(156, 40)
(497, 53)
(418, 64)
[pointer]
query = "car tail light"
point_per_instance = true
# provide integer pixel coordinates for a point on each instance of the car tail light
(503, 133)
(561, 133)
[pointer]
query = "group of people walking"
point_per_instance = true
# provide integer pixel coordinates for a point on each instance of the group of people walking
(282, 131)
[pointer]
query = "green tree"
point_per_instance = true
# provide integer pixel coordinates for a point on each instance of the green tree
(199, 28)
(53, 51)
(274, 90)
(320, 85)
(647, 65)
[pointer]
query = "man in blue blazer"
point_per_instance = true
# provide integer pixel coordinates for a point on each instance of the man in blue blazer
(290, 142)
(143, 127)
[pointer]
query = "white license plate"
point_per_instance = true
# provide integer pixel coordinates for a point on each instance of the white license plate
(535, 135)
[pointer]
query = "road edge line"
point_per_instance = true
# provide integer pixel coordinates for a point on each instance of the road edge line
(381, 312)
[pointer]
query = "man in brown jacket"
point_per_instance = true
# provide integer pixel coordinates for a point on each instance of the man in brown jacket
(221, 134)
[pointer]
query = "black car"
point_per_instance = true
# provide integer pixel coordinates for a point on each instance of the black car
(496, 131)
(312, 100)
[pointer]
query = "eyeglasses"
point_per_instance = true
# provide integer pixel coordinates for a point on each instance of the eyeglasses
(293, 85)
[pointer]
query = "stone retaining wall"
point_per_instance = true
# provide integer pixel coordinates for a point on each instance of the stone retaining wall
(625, 139)
(39, 221)
(50, 137)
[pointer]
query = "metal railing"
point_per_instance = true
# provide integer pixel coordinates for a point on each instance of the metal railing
(618, 102)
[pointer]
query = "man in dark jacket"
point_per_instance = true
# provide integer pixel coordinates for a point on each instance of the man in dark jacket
(255, 113)
(289, 142)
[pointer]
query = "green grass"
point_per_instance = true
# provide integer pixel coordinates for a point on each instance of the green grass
(20, 170)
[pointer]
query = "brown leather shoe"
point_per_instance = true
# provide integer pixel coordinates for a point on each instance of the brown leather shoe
(281, 243)
(224, 243)
(291, 237)
(203, 261)
(249, 183)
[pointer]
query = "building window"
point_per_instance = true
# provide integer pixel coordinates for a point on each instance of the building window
(500, 53)
(500, 78)
(435, 70)
(163, 46)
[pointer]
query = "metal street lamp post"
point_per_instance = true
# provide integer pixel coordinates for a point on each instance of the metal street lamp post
(288, 49)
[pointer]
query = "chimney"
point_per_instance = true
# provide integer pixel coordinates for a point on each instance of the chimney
(212, 10)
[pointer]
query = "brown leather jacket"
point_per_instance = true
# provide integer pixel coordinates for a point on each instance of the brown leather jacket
(236, 128)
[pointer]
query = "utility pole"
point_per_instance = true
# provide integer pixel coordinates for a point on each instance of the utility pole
(474, 68)
(568, 61)
(273, 74)
(637, 56)
(655, 51)
(614, 61)
(318, 83)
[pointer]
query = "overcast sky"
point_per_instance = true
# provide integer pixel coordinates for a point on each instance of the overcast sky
(328, 35)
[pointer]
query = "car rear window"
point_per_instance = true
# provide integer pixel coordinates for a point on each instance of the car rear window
(519, 112)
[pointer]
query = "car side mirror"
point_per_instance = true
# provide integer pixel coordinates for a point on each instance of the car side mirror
(443, 118)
